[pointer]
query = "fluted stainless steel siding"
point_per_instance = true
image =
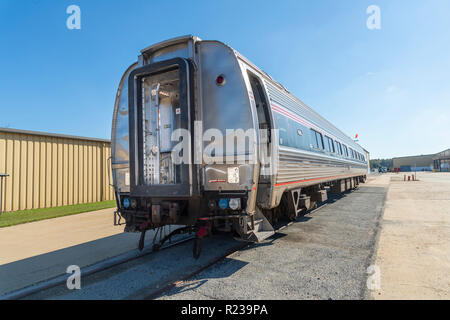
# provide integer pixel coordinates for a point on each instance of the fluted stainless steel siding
(305, 166)
(296, 165)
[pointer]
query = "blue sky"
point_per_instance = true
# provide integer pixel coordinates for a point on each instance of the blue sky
(391, 86)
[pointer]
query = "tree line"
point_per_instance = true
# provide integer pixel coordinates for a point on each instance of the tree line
(378, 163)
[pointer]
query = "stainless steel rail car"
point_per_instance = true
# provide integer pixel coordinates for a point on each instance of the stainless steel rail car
(191, 99)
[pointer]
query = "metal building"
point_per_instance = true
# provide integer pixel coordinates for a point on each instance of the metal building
(414, 163)
(47, 170)
(429, 162)
(441, 161)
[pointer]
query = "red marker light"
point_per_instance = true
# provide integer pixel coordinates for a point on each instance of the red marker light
(220, 81)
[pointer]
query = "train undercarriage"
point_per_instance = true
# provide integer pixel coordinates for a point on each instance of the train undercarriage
(245, 227)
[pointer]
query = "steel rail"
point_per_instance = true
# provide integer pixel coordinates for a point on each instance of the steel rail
(227, 254)
(129, 256)
(88, 270)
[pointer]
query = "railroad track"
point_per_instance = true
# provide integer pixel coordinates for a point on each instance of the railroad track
(89, 270)
(127, 257)
(226, 254)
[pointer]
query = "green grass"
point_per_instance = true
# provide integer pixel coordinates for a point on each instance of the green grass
(18, 217)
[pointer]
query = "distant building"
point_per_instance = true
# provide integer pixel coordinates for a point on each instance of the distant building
(439, 162)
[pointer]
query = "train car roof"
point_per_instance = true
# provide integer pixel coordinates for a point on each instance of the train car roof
(280, 86)
(182, 39)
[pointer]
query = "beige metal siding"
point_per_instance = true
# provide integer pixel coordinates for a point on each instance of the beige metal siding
(49, 170)
(414, 161)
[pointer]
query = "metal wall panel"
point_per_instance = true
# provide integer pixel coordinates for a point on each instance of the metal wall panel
(414, 161)
(47, 170)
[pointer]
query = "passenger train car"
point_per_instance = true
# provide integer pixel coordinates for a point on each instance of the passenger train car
(203, 138)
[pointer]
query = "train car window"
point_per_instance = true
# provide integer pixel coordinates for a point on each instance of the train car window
(340, 149)
(294, 139)
(315, 144)
(288, 131)
(327, 144)
(320, 140)
(297, 137)
(282, 125)
(317, 139)
(345, 150)
(337, 147)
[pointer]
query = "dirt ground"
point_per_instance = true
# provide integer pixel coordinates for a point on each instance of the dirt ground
(414, 245)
